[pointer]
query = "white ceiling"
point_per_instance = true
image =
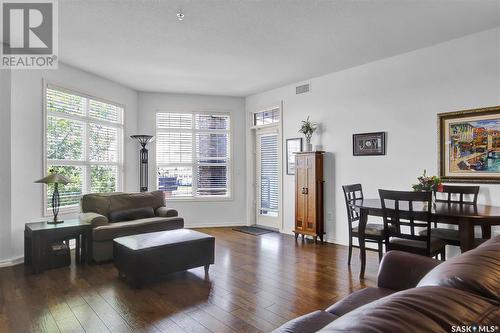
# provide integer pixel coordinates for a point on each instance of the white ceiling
(240, 47)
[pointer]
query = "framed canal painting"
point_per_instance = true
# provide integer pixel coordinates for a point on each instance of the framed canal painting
(469, 145)
(292, 146)
(364, 144)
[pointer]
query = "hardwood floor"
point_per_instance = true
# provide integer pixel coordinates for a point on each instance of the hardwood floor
(256, 284)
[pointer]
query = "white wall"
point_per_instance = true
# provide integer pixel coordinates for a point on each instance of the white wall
(400, 95)
(27, 137)
(213, 213)
(5, 180)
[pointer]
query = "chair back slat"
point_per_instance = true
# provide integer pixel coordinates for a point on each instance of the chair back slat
(352, 193)
(449, 190)
(411, 217)
(404, 212)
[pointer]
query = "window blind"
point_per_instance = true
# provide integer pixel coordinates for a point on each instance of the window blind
(193, 154)
(174, 120)
(83, 139)
(269, 174)
(174, 148)
(103, 143)
(64, 103)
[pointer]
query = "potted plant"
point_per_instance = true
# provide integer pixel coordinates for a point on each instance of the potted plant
(308, 128)
(426, 183)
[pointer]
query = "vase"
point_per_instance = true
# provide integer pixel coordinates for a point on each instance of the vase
(308, 146)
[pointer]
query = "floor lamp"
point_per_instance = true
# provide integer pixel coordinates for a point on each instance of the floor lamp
(143, 160)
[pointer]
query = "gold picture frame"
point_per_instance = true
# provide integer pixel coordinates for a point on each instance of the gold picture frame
(469, 145)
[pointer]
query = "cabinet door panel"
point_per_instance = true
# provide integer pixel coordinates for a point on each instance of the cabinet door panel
(300, 183)
(311, 194)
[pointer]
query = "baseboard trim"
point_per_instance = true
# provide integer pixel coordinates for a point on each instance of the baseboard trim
(214, 225)
(326, 239)
(11, 262)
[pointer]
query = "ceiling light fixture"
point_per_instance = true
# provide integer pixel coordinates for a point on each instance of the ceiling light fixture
(180, 15)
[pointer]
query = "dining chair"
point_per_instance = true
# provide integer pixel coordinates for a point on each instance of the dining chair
(407, 211)
(374, 233)
(453, 194)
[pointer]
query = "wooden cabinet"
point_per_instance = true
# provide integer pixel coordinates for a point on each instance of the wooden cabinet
(309, 183)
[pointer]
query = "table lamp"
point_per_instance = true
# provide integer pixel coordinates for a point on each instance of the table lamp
(56, 179)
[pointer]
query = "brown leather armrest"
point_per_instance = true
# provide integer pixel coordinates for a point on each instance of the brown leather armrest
(401, 270)
(166, 212)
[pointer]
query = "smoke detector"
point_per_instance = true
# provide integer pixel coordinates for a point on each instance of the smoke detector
(180, 15)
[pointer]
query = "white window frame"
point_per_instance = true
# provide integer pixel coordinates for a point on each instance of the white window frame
(194, 164)
(120, 125)
(269, 125)
(254, 129)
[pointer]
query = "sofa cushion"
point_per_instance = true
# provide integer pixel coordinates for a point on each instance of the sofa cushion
(166, 212)
(357, 299)
(489, 242)
(425, 309)
(104, 203)
(97, 203)
(400, 270)
(125, 201)
(476, 271)
(311, 322)
(119, 229)
(131, 214)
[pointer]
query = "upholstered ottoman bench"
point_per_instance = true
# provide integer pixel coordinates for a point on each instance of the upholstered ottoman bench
(145, 257)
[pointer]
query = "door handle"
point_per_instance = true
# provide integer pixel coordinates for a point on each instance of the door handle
(305, 190)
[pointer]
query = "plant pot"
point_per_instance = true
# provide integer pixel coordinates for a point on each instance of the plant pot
(308, 146)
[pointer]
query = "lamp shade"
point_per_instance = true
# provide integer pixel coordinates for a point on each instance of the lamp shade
(54, 178)
(142, 138)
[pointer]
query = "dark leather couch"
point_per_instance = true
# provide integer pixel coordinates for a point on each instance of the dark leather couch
(418, 294)
(120, 214)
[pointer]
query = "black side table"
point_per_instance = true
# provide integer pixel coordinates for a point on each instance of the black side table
(39, 235)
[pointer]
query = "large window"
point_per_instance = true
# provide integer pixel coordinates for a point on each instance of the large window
(84, 141)
(193, 155)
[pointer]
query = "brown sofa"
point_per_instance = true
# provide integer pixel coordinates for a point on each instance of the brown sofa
(419, 294)
(122, 214)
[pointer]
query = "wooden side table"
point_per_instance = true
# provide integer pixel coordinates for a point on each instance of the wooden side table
(38, 236)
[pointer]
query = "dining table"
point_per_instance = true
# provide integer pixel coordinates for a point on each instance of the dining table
(465, 216)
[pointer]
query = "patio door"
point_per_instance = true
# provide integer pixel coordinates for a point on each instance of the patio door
(268, 171)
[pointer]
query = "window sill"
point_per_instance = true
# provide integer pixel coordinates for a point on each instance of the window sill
(63, 212)
(192, 199)
(259, 127)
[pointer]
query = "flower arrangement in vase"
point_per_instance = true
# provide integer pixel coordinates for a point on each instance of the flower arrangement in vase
(425, 183)
(308, 128)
